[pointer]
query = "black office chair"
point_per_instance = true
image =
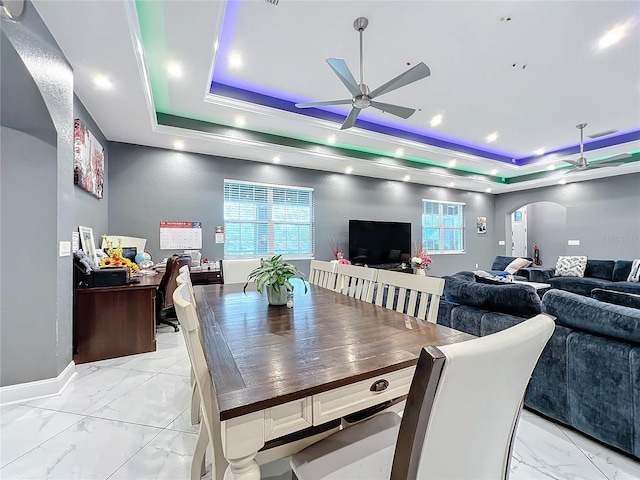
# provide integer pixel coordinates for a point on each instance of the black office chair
(165, 311)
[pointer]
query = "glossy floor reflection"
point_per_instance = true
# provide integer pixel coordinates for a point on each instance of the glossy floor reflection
(128, 419)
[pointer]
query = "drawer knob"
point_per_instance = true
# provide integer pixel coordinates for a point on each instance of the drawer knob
(379, 386)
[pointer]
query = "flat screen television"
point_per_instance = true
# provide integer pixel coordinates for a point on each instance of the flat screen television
(379, 243)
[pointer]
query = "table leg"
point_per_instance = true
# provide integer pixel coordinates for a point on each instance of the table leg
(245, 468)
(242, 437)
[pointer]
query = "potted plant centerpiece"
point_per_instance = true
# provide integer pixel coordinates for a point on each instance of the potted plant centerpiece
(274, 276)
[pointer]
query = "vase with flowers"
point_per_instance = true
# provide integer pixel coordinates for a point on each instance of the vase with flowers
(338, 252)
(115, 258)
(421, 261)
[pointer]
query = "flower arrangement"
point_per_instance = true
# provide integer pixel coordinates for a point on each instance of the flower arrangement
(115, 258)
(338, 255)
(421, 260)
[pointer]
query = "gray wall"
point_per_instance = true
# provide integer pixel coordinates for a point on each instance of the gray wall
(604, 214)
(148, 185)
(546, 225)
(37, 204)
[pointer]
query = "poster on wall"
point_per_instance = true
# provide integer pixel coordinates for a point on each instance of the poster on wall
(482, 225)
(88, 160)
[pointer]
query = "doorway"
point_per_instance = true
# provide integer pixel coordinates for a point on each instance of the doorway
(519, 232)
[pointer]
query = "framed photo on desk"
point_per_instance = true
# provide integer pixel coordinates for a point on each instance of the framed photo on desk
(88, 243)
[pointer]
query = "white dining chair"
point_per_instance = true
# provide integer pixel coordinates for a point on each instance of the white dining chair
(323, 274)
(356, 281)
(237, 271)
(414, 295)
(460, 420)
(184, 268)
(185, 278)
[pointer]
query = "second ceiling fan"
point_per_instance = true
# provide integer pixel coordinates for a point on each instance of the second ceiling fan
(362, 97)
(582, 163)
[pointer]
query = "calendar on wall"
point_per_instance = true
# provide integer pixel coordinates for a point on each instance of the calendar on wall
(180, 235)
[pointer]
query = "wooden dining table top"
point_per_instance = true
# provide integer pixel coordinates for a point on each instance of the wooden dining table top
(260, 356)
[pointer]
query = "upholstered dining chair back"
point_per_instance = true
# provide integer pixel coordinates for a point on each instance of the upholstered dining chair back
(185, 278)
(356, 281)
(323, 274)
(414, 295)
(237, 271)
(183, 269)
(459, 422)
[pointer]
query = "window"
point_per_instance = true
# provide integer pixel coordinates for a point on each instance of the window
(262, 220)
(442, 226)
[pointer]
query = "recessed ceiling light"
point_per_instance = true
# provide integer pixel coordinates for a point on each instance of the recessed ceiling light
(235, 60)
(103, 82)
(436, 120)
(174, 70)
(348, 170)
(614, 35)
(452, 184)
(551, 167)
(178, 144)
(399, 152)
(489, 190)
(406, 178)
(494, 171)
(452, 163)
(331, 139)
(539, 151)
(563, 181)
(276, 159)
(492, 137)
(240, 121)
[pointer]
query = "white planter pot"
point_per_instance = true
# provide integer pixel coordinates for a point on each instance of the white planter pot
(276, 298)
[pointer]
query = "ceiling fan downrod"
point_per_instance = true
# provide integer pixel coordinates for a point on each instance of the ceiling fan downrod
(360, 24)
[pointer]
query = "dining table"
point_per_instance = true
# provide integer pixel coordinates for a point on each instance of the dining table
(278, 372)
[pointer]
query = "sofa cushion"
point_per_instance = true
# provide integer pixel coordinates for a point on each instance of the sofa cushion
(600, 269)
(516, 265)
(621, 270)
(514, 299)
(617, 298)
(501, 261)
(571, 266)
(629, 287)
(581, 286)
(590, 315)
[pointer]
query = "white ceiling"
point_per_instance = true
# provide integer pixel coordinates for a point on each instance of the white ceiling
(560, 79)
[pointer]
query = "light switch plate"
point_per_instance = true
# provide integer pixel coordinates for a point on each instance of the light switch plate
(65, 249)
(501, 242)
(573, 242)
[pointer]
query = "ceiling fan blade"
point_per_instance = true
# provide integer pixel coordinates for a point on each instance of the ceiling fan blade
(412, 75)
(339, 66)
(328, 102)
(572, 169)
(603, 164)
(397, 110)
(351, 119)
(575, 163)
(616, 158)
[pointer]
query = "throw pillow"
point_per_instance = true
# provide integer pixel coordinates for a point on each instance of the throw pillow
(571, 266)
(634, 274)
(516, 265)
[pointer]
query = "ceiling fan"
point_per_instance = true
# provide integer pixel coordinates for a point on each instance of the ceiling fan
(582, 163)
(362, 97)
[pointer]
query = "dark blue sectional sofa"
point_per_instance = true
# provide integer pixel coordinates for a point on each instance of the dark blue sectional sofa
(588, 376)
(608, 274)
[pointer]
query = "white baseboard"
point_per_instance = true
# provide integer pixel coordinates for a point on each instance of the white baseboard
(24, 392)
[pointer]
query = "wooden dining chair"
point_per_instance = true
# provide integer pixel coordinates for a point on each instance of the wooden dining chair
(356, 281)
(323, 274)
(414, 295)
(460, 420)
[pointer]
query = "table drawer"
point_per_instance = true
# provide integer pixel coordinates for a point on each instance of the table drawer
(342, 401)
(288, 418)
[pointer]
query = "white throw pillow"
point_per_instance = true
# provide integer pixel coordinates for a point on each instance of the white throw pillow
(516, 265)
(634, 274)
(571, 266)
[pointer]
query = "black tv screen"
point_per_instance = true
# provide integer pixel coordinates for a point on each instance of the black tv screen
(379, 243)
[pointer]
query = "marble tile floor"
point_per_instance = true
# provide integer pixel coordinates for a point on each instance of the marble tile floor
(128, 419)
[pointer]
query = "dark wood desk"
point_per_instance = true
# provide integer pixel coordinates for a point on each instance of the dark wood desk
(278, 370)
(206, 277)
(112, 322)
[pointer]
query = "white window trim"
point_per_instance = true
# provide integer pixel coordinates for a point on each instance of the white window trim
(463, 228)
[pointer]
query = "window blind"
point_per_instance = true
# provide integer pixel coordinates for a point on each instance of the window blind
(263, 220)
(442, 226)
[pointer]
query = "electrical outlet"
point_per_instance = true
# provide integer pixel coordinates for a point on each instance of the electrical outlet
(501, 242)
(476, 265)
(65, 249)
